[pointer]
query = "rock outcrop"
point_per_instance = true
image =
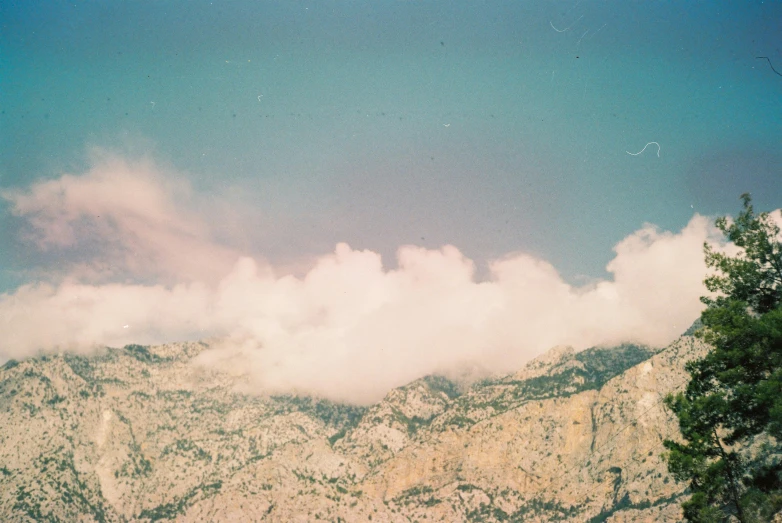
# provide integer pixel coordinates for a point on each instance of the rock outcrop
(143, 434)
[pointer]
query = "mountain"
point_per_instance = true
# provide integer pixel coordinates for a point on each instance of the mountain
(144, 434)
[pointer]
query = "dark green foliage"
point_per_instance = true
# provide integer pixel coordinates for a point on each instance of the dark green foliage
(179, 505)
(31, 506)
(419, 496)
(754, 277)
(487, 511)
(626, 504)
(411, 424)
(461, 421)
(137, 467)
(444, 385)
(603, 363)
(306, 477)
(415, 491)
(622, 504)
(187, 446)
(10, 364)
(81, 366)
(55, 399)
(337, 436)
(589, 369)
(734, 397)
(694, 328)
(336, 415)
(552, 510)
(142, 354)
(431, 501)
(70, 486)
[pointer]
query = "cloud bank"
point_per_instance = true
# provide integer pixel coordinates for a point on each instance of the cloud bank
(133, 219)
(349, 329)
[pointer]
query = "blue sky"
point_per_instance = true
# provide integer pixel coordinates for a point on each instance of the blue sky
(349, 135)
(496, 127)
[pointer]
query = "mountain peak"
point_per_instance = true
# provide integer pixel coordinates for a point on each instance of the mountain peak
(144, 433)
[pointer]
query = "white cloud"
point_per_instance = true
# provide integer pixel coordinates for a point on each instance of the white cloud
(348, 329)
(134, 218)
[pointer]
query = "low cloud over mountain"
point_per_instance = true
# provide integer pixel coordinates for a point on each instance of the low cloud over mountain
(142, 257)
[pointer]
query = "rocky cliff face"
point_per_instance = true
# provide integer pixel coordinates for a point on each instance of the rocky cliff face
(141, 433)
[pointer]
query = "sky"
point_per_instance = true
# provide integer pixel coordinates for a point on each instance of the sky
(388, 188)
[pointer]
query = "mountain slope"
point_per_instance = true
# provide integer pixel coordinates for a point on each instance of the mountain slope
(141, 433)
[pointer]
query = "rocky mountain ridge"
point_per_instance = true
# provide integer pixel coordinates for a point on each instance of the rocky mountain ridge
(144, 434)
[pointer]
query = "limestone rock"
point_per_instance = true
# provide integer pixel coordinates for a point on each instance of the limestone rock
(143, 434)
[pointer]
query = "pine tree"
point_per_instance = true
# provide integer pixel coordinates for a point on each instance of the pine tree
(730, 413)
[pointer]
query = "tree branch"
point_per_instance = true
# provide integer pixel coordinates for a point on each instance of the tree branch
(734, 490)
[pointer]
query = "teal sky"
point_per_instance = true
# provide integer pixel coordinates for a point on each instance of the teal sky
(492, 126)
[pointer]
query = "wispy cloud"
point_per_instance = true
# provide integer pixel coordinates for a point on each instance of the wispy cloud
(349, 328)
(130, 218)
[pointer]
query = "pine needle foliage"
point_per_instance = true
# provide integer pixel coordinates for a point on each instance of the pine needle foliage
(730, 414)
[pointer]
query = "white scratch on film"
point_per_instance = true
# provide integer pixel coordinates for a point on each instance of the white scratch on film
(645, 146)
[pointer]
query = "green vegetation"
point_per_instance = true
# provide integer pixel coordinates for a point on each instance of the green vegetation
(484, 511)
(603, 364)
(415, 491)
(623, 504)
(553, 511)
(587, 370)
(418, 496)
(337, 415)
(10, 364)
(411, 424)
(142, 354)
(55, 399)
(68, 485)
(137, 467)
(461, 421)
(184, 447)
(337, 436)
(29, 505)
(626, 504)
(179, 505)
(730, 414)
(444, 385)
(592, 369)
(81, 366)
